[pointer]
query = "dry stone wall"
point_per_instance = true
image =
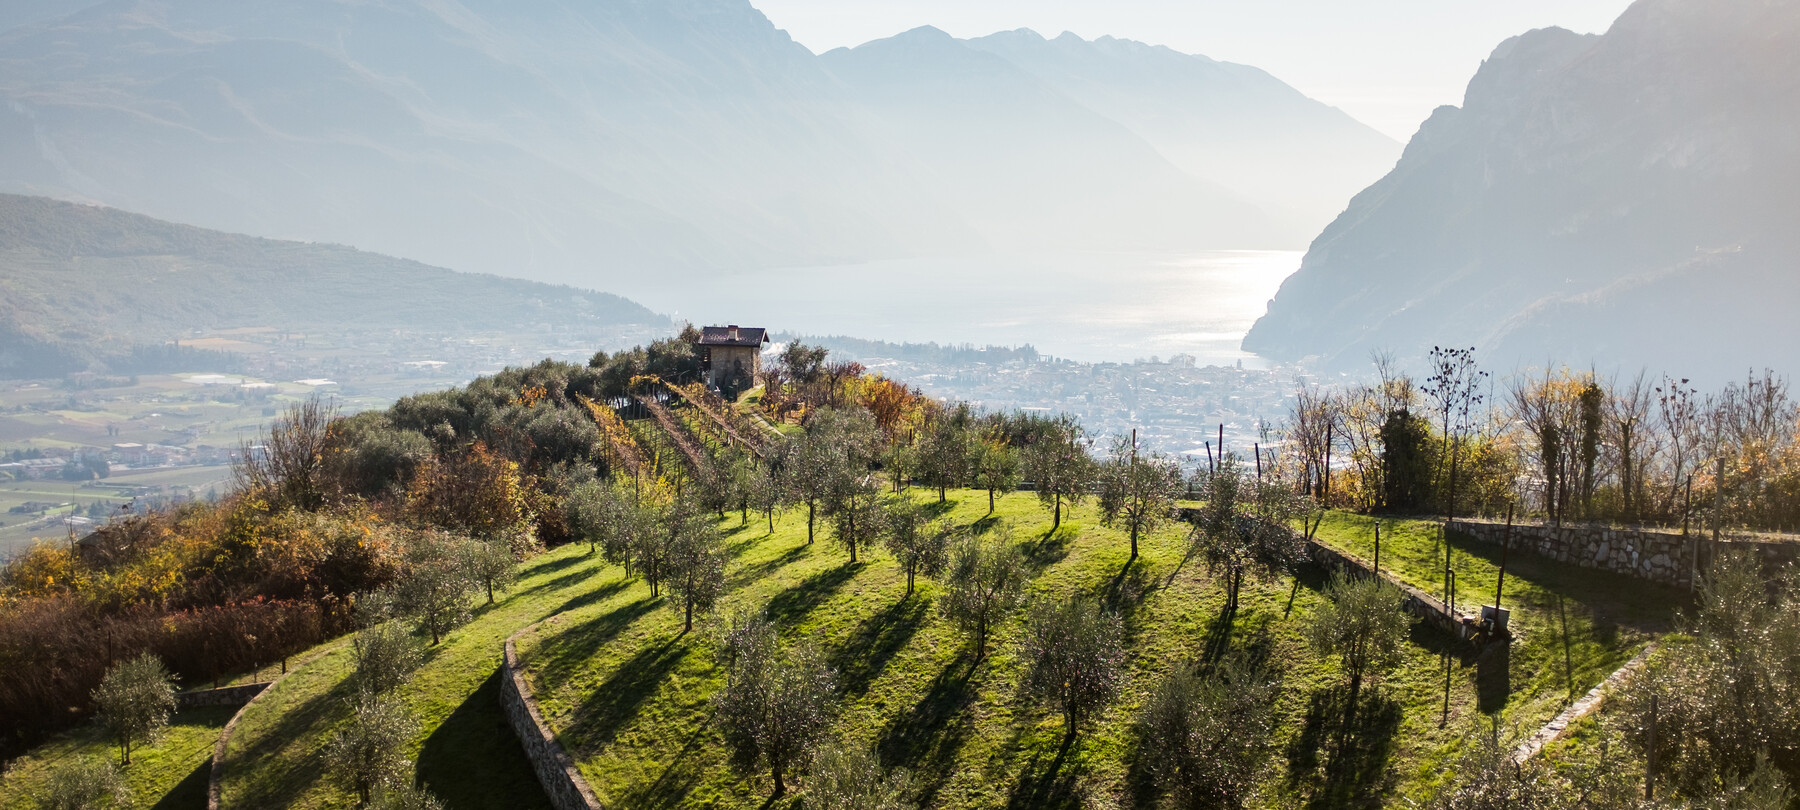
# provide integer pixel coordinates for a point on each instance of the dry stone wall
(555, 769)
(1657, 556)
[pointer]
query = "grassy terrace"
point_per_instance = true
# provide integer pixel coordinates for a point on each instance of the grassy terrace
(628, 692)
(168, 774)
(1610, 617)
(467, 753)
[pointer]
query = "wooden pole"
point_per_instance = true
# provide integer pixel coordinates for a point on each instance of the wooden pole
(1256, 447)
(1505, 546)
(1568, 664)
(1377, 549)
(1650, 766)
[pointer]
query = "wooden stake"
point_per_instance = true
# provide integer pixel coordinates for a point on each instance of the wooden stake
(1505, 546)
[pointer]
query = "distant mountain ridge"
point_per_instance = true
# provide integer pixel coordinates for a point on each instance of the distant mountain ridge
(80, 285)
(585, 143)
(1616, 200)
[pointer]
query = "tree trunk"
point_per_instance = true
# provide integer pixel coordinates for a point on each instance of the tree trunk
(771, 515)
(909, 580)
(780, 786)
(490, 591)
(1056, 523)
(688, 626)
(990, 500)
(810, 509)
(941, 494)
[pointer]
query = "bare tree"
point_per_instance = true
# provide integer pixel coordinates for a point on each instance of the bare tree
(284, 464)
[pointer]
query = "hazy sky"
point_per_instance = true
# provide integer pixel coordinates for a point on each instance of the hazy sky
(1386, 62)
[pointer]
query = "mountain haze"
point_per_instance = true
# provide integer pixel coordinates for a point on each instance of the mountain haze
(590, 142)
(79, 285)
(1620, 199)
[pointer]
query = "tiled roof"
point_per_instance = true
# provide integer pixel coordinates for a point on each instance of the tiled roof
(733, 336)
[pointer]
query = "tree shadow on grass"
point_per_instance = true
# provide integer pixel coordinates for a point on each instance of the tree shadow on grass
(790, 606)
(927, 737)
(1055, 783)
(612, 705)
(595, 596)
(473, 759)
(680, 775)
(1050, 549)
(578, 644)
(1493, 677)
(190, 792)
(556, 583)
(308, 720)
(861, 659)
(758, 572)
(1344, 767)
(938, 509)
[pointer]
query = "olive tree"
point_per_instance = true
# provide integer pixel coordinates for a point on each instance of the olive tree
(1074, 657)
(1059, 468)
(986, 580)
(1363, 625)
(775, 703)
(696, 563)
(944, 454)
(857, 519)
(85, 784)
(1138, 491)
(1716, 700)
(850, 778)
(134, 700)
(369, 753)
(919, 544)
(996, 468)
(491, 564)
(435, 586)
(1244, 525)
(385, 655)
(1207, 737)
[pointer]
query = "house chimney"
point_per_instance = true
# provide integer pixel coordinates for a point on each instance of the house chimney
(731, 333)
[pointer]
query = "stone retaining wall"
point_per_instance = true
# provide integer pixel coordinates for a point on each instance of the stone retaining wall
(1658, 556)
(228, 696)
(1418, 603)
(555, 769)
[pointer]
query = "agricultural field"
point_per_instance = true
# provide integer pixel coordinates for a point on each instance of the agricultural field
(628, 692)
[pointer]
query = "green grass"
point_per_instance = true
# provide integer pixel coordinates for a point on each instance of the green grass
(627, 692)
(466, 752)
(1609, 617)
(169, 773)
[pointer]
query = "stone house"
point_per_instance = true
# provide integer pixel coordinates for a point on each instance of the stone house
(731, 356)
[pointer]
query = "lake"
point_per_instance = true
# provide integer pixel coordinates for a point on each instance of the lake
(1083, 306)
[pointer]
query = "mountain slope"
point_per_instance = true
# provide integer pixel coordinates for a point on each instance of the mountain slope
(1623, 199)
(541, 139)
(1029, 166)
(1231, 125)
(80, 284)
(590, 142)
